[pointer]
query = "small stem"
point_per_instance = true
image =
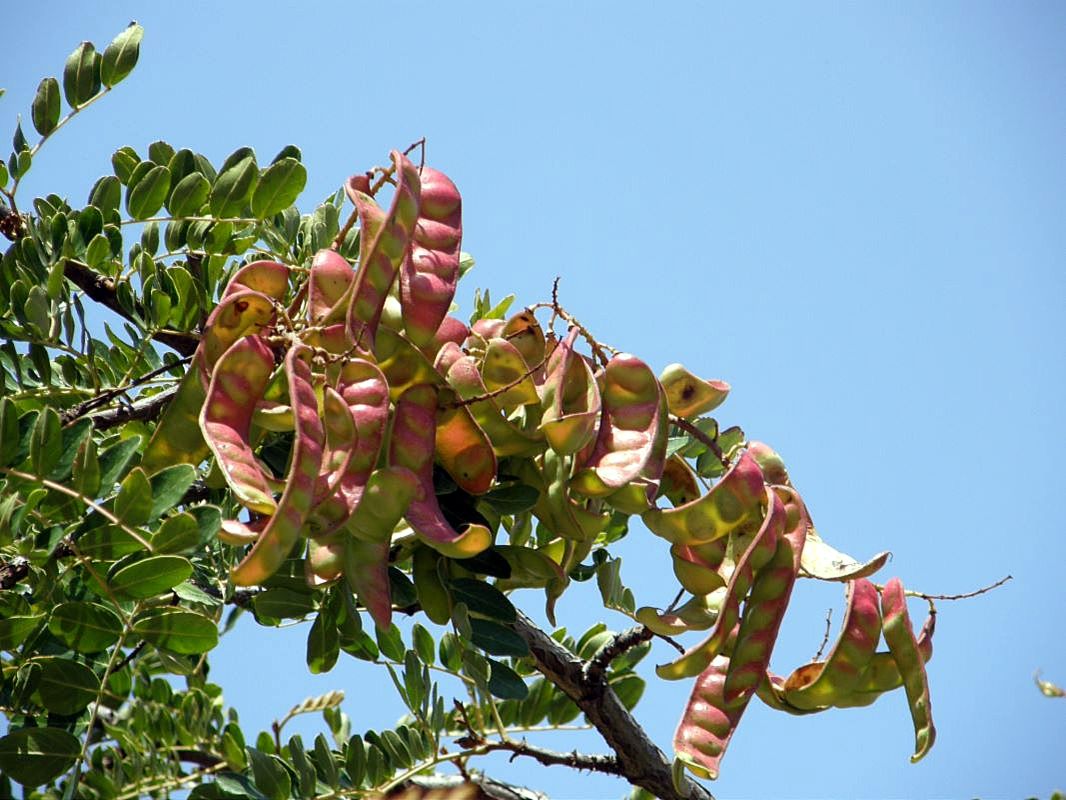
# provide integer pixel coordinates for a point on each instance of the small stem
(703, 438)
(58, 487)
(965, 596)
(825, 638)
(620, 644)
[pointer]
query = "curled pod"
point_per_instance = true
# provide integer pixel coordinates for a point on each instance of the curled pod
(570, 398)
(507, 438)
(285, 526)
(689, 396)
(237, 382)
(329, 285)
(266, 277)
(732, 501)
(899, 635)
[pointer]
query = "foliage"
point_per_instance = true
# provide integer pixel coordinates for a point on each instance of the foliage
(241, 422)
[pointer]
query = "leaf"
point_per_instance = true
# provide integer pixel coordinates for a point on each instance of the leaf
(496, 639)
(271, 778)
(513, 498)
(424, 644)
(120, 57)
(481, 598)
(45, 110)
(189, 195)
(279, 603)
(147, 195)
(133, 505)
(391, 643)
(233, 188)
(505, 683)
(123, 162)
(66, 687)
(169, 486)
(33, 756)
(278, 187)
(178, 534)
(45, 442)
(115, 459)
(15, 629)
(150, 576)
(9, 432)
(81, 75)
(176, 629)
(85, 627)
(323, 645)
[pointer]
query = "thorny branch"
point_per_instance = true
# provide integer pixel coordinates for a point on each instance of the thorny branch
(639, 760)
(620, 644)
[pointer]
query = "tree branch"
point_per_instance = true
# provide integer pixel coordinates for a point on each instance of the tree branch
(147, 409)
(102, 289)
(621, 643)
(641, 762)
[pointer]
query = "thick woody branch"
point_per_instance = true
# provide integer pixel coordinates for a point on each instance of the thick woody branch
(641, 762)
(147, 409)
(575, 760)
(622, 643)
(101, 289)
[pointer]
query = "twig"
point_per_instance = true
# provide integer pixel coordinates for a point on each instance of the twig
(608, 765)
(620, 644)
(499, 390)
(147, 409)
(825, 639)
(102, 289)
(700, 436)
(104, 397)
(966, 596)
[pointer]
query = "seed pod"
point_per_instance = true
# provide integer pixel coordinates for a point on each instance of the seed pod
(570, 398)
(690, 396)
(237, 382)
(697, 614)
(820, 683)
(506, 437)
(266, 277)
(697, 566)
(504, 366)
(766, 605)
(433, 594)
(828, 564)
(563, 515)
(430, 271)
(627, 461)
(707, 723)
(771, 464)
(383, 244)
(678, 484)
(365, 399)
(762, 548)
(731, 502)
(882, 675)
(899, 635)
(325, 559)
(524, 332)
(463, 448)
(240, 313)
(366, 568)
(284, 528)
(341, 438)
(329, 285)
(388, 494)
(403, 364)
(412, 446)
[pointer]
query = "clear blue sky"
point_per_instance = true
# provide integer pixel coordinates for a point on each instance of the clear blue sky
(856, 214)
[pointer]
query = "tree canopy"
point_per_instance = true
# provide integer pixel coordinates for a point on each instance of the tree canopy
(214, 404)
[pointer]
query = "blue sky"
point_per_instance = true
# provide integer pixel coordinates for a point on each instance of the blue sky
(853, 213)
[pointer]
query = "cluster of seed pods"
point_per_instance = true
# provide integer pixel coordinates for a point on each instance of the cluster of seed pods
(379, 386)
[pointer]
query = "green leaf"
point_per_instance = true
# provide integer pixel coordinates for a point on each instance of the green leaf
(629, 688)
(189, 195)
(169, 486)
(505, 683)
(46, 443)
(133, 505)
(33, 756)
(391, 643)
(150, 576)
(15, 629)
(355, 759)
(81, 75)
(107, 543)
(147, 195)
(115, 459)
(496, 639)
(512, 499)
(271, 778)
(233, 188)
(480, 598)
(323, 645)
(177, 630)
(278, 603)
(424, 644)
(23, 162)
(9, 432)
(278, 187)
(120, 57)
(98, 251)
(73, 440)
(160, 152)
(66, 687)
(123, 162)
(178, 534)
(45, 110)
(85, 627)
